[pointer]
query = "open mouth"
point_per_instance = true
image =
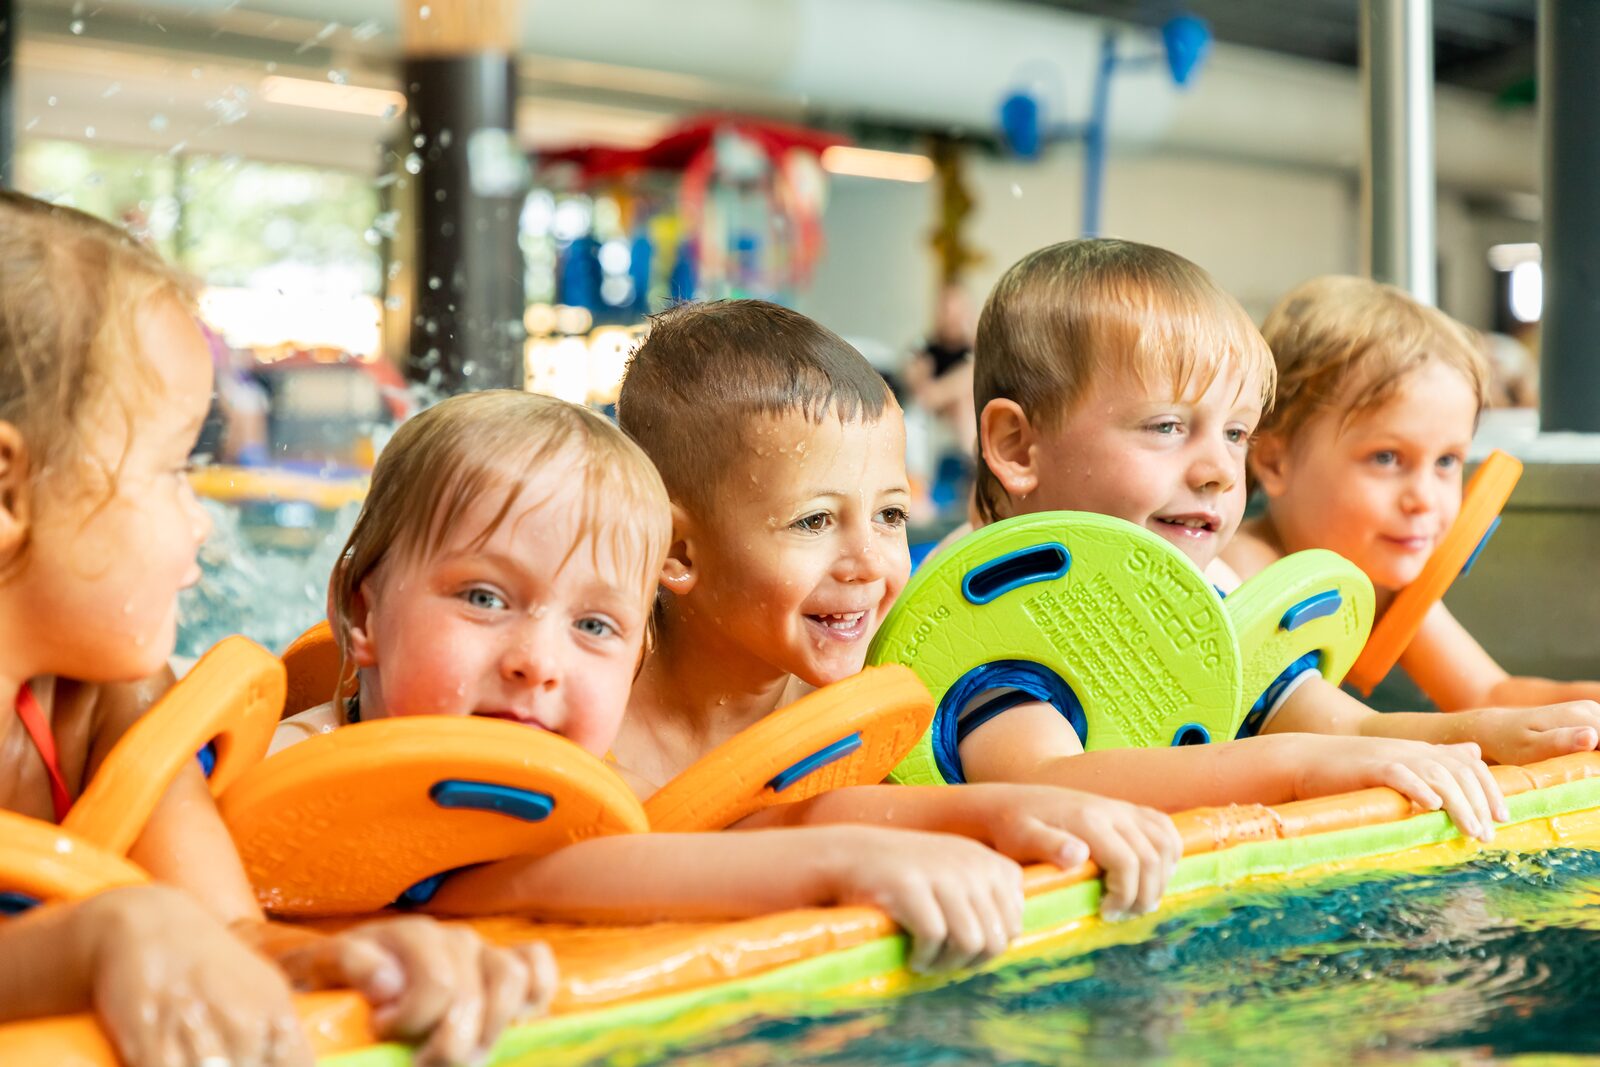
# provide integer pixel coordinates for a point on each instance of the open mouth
(1189, 525)
(840, 626)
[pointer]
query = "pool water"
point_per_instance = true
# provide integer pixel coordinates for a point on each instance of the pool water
(1493, 961)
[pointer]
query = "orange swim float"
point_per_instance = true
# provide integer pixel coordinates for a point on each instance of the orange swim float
(1485, 497)
(346, 822)
(852, 732)
(42, 863)
(229, 702)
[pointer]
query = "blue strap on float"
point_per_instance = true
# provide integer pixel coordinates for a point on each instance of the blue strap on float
(529, 805)
(1310, 609)
(816, 761)
(1257, 715)
(1033, 681)
(1466, 568)
(989, 709)
(13, 903)
(208, 758)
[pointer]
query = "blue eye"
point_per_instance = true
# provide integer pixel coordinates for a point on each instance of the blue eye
(1237, 436)
(1166, 427)
(1386, 458)
(595, 627)
(1449, 462)
(484, 599)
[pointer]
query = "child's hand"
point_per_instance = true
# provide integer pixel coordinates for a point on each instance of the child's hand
(1453, 777)
(173, 986)
(1527, 735)
(433, 981)
(960, 902)
(1137, 847)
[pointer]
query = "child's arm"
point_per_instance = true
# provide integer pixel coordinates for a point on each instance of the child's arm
(1506, 735)
(1454, 670)
(1137, 847)
(426, 981)
(959, 901)
(1033, 743)
(169, 985)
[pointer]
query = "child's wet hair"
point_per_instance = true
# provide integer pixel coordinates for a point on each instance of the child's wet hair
(71, 287)
(706, 371)
(1066, 314)
(1344, 344)
(444, 458)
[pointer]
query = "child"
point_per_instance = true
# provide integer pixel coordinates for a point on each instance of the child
(104, 382)
(784, 454)
(504, 565)
(1117, 378)
(1378, 398)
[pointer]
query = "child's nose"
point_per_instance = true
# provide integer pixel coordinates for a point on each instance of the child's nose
(528, 661)
(863, 561)
(1213, 466)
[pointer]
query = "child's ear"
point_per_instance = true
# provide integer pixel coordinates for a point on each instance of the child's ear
(678, 573)
(1269, 464)
(1006, 440)
(363, 645)
(16, 491)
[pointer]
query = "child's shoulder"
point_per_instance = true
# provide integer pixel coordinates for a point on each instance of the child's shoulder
(1251, 550)
(324, 718)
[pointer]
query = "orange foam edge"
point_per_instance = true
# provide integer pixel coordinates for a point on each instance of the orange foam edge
(602, 966)
(1485, 498)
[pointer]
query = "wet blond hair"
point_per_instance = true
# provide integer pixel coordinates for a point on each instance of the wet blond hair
(71, 287)
(705, 371)
(1063, 315)
(1345, 344)
(444, 458)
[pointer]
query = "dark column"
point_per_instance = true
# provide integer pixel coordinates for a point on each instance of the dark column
(8, 102)
(1569, 115)
(467, 328)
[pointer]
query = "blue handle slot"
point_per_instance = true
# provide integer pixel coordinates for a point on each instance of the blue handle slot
(1310, 609)
(1037, 563)
(816, 761)
(1191, 733)
(13, 903)
(526, 804)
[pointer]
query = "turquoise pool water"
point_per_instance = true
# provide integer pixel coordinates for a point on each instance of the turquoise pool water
(1494, 961)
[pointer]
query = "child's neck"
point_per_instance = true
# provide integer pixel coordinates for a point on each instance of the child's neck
(696, 690)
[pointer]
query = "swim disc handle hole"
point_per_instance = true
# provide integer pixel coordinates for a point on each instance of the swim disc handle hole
(1038, 563)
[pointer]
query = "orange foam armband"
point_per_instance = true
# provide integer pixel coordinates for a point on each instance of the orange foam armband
(852, 732)
(48, 863)
(1485, 496)
(312, 663)
(230, 700)
(345, 822)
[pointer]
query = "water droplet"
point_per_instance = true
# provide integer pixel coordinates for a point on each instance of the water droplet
(365, 31)
(49, 101)
(111, 90)
(1016, 191)
(385, 180)
(424, 11)
(444, 138)
(76, 26)
(413, 164)
(468, 368)
(88, 133)
(419, 140)
(434, 282)
(338, 77)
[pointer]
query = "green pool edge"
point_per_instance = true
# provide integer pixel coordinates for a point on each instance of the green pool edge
(1047, 911)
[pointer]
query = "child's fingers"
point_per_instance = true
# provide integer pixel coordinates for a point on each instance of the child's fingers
(360, 963)
(1454, 792)
(460, 1034)
(1039, 842)
(914, 908)
(1009, 903)
(1154, 870)
(543, 976)
(1121, 866)
(1498, 810)
(507, 981)
(1409, 784)
(287, 1044)
(429, 977)
(969, 934)
(1572, 739)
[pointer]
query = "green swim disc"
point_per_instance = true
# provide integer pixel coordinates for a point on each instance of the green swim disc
(1311, 601)
(1104, 620)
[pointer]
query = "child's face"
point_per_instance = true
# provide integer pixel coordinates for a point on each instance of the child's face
(805, 547)
(117, 528)
(1175, 467)
(1383, 489)
(540, 624)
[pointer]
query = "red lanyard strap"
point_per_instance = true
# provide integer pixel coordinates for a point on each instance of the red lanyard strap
(33, 721)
